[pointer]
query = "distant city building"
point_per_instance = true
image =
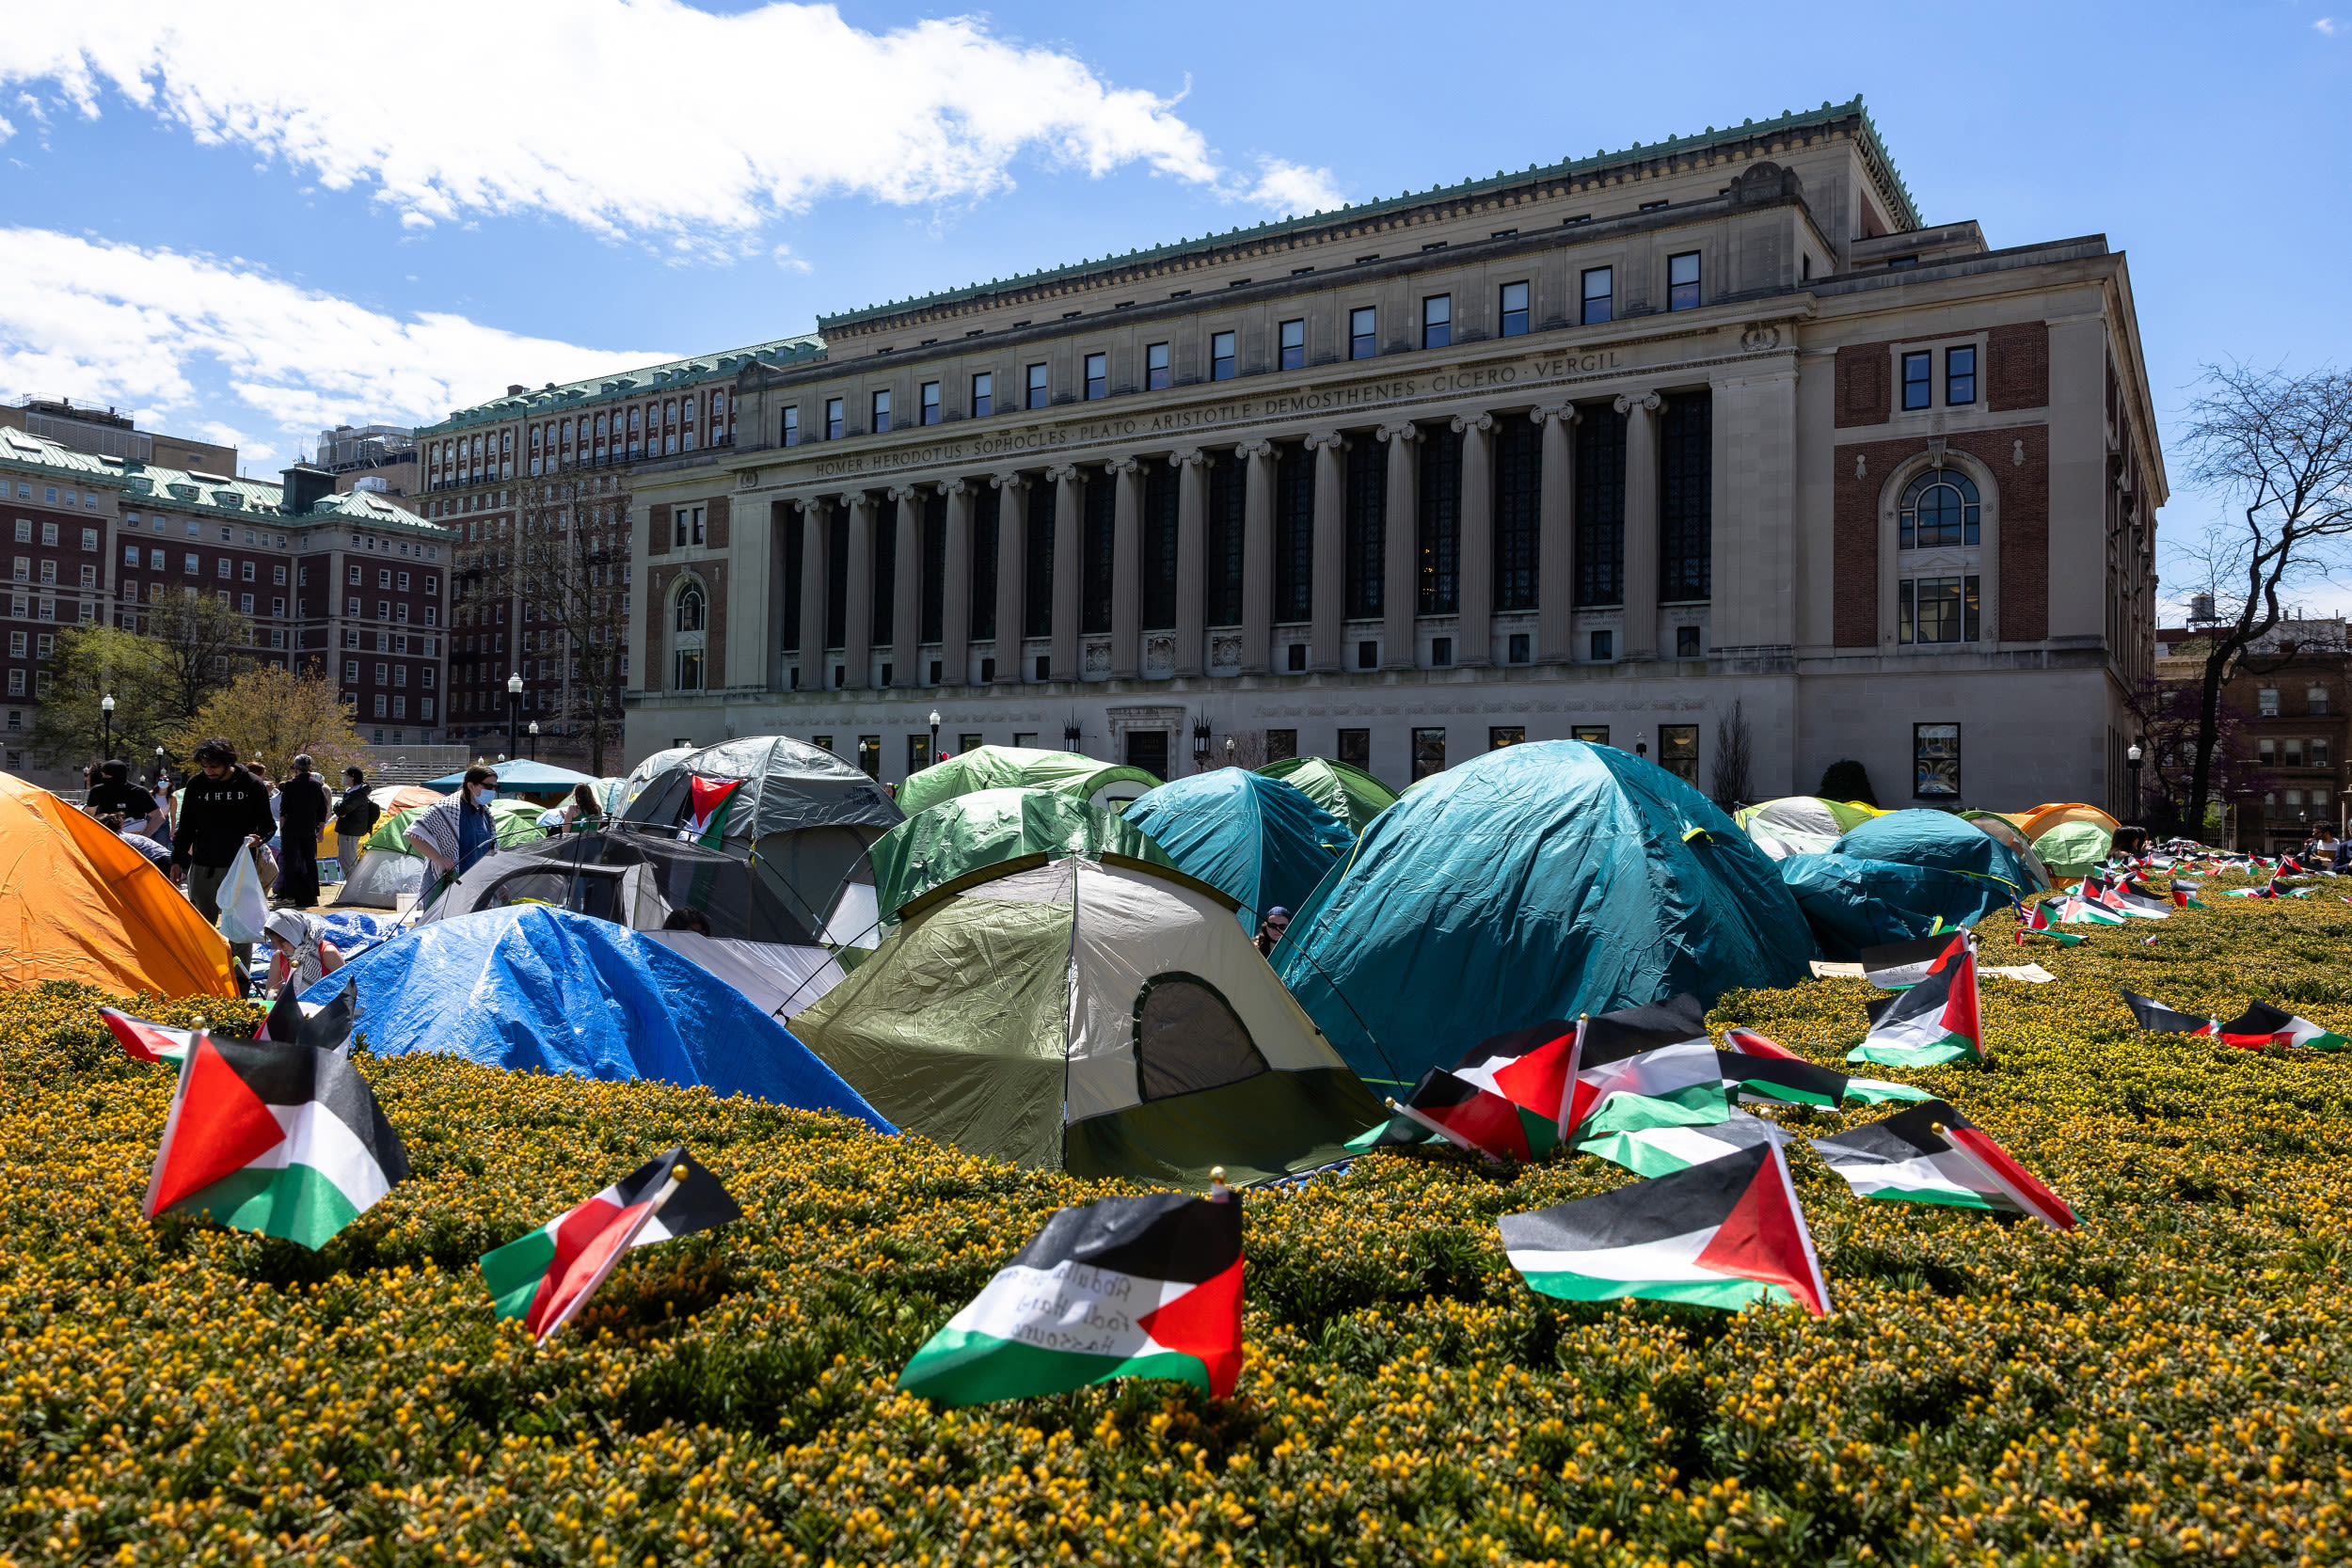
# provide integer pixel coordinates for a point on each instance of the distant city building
(2292, 693)
(104, 432)
(377, 457)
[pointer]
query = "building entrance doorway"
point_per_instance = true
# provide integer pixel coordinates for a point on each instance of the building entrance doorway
(1148, 749)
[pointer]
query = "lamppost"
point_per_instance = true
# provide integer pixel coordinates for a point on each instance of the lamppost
(534, 740)
(1070, 736)
(2131, 759)
(513, 712)
(1201, 744)
(1641, 743)
(106, 706)
(159, 765)
(934, 752)
(1229, 750)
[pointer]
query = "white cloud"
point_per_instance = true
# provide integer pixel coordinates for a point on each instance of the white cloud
(626, 117)
(2328, 26)
(1287, 187)
(200, 343)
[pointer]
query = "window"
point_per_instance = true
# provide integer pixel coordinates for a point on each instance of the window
(351, 605)
(1939, 510)
(1221, 357)
(687, 525)
(404, 582)
(1367, 653)
(48, 533)
(1442, 653)
(1154, 367)
(2315, 700)
(1437, 321)
(1297, 659)
(1428, 753)
(278, 576)
(383, 705)
(1935, 761)
(355, 574)
(383, 579)
(688, 614)
(2266, 701)
(1959, 376)
(89, 539)
(983, 394)
(1098, 377)
(1363, 332)
(1687, 644)
(1590, 734)
(930, 403)
(1356, 749)
(832, 419)
(792, 426)
(130, 555)
(2293, 756)
(2267, 751)
(1936, 610)
(918, 753)
(1040, 390)
(1678, 751)
(221, 568)
(1518, 647)
(1514, 311)
(881, 411)
(245, 604)
(1918, 380)
(1597, 294)
(1682, 281)
(1294, 345)
(1604, 646)
(1499, 735)
(351, 671)
(869, 756)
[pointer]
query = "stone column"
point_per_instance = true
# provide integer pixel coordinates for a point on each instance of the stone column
(1640, 524)
(1328, 587)
(858, 625)
(1126, 568)
(1192, 543)
(1257, 558)
(1012, 573)
(1555, 544)
(1069, 504)
(955, 594)
(1475, 635)
(815, 566)
(906, 590)
(1400, 589)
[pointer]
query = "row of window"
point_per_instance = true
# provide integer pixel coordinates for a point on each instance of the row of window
(48, 572)
(1960, 377)
(86, 498)
(49, 534)
(394, 707)
(389, 675)
(228, 535)
(2293, 750)
(2266, 699)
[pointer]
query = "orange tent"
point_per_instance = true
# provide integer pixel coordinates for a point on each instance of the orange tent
(2040, 821)
(76, 903)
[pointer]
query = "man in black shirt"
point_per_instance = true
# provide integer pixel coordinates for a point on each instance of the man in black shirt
(302, 810)
(356, 816)
(224, 814)
(114, 791)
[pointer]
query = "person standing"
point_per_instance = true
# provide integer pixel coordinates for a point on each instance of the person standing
(452, 835)
(578, 814)
(356, 815)
(225, 813)
(302, 812)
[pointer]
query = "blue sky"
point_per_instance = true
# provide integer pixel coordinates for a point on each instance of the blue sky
(249, 220)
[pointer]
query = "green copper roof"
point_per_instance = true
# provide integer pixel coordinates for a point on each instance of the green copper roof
(1671, 146)
(628, 383)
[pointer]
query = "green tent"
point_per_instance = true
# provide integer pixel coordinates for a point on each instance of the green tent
(1100, 783)
(1107, 1019)
(517, 822)
(1800, 824)
(2072, 849)
(981, 835)
(1350, 794)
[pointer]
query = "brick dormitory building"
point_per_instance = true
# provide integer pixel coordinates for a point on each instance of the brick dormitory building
(348, 583)
(1599, 450)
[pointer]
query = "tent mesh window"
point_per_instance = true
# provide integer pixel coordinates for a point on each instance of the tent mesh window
(1038, 616)
(987, 509)
(837, 578)
(1686, 442)
(1600, 506)
(1099, 504)
(1294, 532)
(934, 566)
(1189, 1038)
(1159, 544)
(1518, 495)
(1439, 519)
(1227, 498)
(1367, 525)
(885, 585)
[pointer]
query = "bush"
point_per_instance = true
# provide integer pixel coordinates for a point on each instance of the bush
(2166, 1383)
(1846, 780)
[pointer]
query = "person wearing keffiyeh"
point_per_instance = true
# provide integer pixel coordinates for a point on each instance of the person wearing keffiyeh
(459, 830)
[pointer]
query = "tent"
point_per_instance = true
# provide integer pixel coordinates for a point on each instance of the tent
(1103, 1018)
(2072, 849)
(387, 867)
(1852, 903)
(2008, 832)
(776, 979)
(1535, 881)
(1101, 783)
(976, 836)
(1800, 824)
(2042, 819)
(77, 903)
(1259, 841)
(520, 777)
(1350, 794)
(1940, 840)
(645, 772)
(393, 798)
(541, 990)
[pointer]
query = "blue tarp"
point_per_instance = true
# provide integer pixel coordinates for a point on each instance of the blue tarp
(538, 778)
(1940, 840)
(1536, 882)
(1263, 843)
(1853, 903)
(538, 989)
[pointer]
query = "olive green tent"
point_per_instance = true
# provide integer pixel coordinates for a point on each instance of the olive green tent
(2070, 849)
(1350, 794)
(1800, 824)
(974, 837)
(1103, 1017)
(1100, 783)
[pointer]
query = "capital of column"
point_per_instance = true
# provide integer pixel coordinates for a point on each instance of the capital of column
(1466, 422)
(1407, 432)
(955, 487)
(1060, 471)
(1648, 402)
(1189, 457)
(1254, 449)
(1566, 413)
(1119, 466)
(906, 492)
(1008, 482)
(1316, 440)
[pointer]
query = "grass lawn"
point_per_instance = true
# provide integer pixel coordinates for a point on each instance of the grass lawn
(2171, 1383)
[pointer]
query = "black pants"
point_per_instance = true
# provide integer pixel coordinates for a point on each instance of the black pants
(298, 865)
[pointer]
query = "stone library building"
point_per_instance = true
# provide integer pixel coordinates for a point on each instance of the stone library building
(1712, 438)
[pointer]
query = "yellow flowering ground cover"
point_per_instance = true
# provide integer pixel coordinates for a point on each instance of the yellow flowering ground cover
(2171, 1383)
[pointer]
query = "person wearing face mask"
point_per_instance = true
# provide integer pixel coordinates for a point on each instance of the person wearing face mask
(460, 831)
(226, 814)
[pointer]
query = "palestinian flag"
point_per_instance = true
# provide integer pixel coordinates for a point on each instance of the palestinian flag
(1723, 1233)
(2038, 924)
(2075, 911)
(2137, 905)
(1781, 1080)
(1530, 1067)
(325, 1026)
(2262, 1025)
(545, 1277)
(2271, 889)
(1747, 1042)
(1664, 1150)
(1651, 1066)
(1399, 1131)
(2184, 896)
(1899, 965)
(143, 1041)
(2157, 1019)
(1934, 1021)
(282, 1140)
(709, 802)
(1931, 1154)
(1126, 1286)
(1478, 1119)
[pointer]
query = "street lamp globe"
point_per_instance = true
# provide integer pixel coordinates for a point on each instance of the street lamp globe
(2131, 755)
(534, 727)
(106, 704)
(515, 684)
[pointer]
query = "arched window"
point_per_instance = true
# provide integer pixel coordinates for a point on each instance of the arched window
(1939, 509)
(690, 610)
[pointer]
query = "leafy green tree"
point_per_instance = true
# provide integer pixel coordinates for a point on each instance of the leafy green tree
(270, 714)
(93, 663)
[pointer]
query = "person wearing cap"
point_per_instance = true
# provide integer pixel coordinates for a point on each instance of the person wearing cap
(302, 812)
(1278, 920)
(299, 950)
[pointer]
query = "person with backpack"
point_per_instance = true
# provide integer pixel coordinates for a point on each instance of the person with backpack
(356, 816)
(224, 814)
(302, 812)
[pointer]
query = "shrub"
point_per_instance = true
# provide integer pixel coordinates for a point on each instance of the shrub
(1847, 780)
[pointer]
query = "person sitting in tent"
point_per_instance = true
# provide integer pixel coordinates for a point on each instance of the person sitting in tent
(460, 831)
(578, 814)
(299, 950)
(687, 918)
(1278, 920)
(2131, 841)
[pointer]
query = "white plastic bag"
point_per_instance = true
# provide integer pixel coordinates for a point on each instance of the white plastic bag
(243, 905)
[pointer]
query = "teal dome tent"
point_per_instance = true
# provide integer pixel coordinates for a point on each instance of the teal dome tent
(1263, 843)
(1537, 881)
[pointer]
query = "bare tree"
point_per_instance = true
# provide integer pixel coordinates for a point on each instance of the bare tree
(202, 645)
(1237, 748)
(2279, 447)
(1734, 758)
(570, 568)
